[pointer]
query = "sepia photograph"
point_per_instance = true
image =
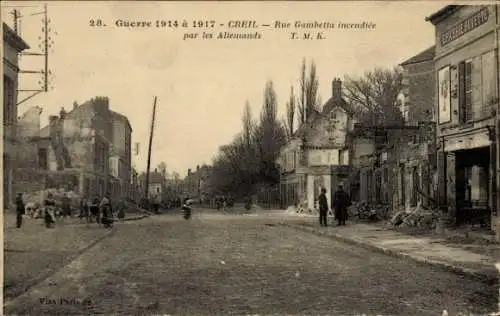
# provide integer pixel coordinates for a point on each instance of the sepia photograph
(251, 158)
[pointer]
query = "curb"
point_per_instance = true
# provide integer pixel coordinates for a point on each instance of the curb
(135, 218)
(484, 276)
(37, 280)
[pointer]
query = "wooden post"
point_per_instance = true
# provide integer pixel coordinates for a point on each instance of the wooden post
(146, 189)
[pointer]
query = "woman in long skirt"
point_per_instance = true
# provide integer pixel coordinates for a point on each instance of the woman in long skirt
(50, 217)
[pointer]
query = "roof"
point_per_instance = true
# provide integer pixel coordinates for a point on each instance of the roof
(442, 13)
(121, 117)
(333, 102)
(10, 36)
(426, 55)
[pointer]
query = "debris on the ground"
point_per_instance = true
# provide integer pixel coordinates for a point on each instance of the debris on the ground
(416, 217)
(364, 211)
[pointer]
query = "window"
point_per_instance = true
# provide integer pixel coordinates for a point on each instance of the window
(465, 90)
(8, 100)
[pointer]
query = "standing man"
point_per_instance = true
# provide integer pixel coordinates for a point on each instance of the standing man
(20, 209)
(157, 201)
(341, 201)
(323, 208)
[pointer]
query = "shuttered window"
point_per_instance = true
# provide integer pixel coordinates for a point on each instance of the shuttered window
(465, 91)
(8, 101)
(476, 93)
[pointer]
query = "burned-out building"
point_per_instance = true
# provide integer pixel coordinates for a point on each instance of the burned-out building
(316, 156)
(76, 151)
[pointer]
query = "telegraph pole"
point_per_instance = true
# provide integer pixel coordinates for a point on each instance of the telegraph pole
(45, 46)
(146, 193)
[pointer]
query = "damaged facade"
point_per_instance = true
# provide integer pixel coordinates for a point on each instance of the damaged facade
(393, 165)
(82, 151)
(466, 67)
(316, 156)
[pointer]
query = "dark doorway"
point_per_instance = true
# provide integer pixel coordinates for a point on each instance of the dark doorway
(472, 186)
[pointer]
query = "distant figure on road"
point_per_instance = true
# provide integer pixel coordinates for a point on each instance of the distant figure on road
(323, 208)
(106, 211)
(157, 202)
(66, 206)
(94, 209)
(50, 216)
(20, 210)
(341, 201)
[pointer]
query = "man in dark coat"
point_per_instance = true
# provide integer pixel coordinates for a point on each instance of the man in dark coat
(341, 201)
(20, 210)
(323, 208)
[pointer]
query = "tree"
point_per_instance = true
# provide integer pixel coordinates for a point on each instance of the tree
(270, 136)
(374, 96)
(308, 100)
(290, 114)
(248, 125)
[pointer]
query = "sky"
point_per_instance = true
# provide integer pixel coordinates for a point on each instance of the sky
(202, 85)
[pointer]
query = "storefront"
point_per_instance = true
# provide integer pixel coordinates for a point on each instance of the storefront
(466, 65)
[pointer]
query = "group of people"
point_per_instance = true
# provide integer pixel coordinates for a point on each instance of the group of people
(340, 202)
(95, 209)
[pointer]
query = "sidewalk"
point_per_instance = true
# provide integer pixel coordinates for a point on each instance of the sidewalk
(467, 259)
(33, 252)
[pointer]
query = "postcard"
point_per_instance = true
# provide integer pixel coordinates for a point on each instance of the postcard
(251, 158)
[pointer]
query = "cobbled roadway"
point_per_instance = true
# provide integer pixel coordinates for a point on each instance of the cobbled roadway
(239, 265)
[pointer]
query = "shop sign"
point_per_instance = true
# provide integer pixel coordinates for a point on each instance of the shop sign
(467, 25)
(468, 142)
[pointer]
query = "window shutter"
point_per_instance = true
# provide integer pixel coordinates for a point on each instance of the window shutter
(461, 92)
(476, 78)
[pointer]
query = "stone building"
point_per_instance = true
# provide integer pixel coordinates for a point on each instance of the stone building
(393, 165)
(13, 45)
(466, 67)
(316, 157)
(76, 151)
(122, 158)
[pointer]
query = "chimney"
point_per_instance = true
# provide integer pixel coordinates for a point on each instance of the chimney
(336, 89)
(62, 113)
(75, 105)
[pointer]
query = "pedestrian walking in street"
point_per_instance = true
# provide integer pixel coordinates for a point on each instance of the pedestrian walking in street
(106, 211)
(94, 209)
(50, 217)
(20, 210)
(323, 208)
(66, 206)
(157, 202)
(341, 201)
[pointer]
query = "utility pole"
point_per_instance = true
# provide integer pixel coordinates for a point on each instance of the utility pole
(15, 13)
(45, 46)
(146, 193)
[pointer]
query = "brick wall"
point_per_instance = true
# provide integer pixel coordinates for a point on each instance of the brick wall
(419, 91)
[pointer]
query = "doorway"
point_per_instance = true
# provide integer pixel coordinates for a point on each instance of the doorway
(472, 186)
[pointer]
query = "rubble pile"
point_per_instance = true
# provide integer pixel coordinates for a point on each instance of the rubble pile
(365, 211)
(416, 217)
